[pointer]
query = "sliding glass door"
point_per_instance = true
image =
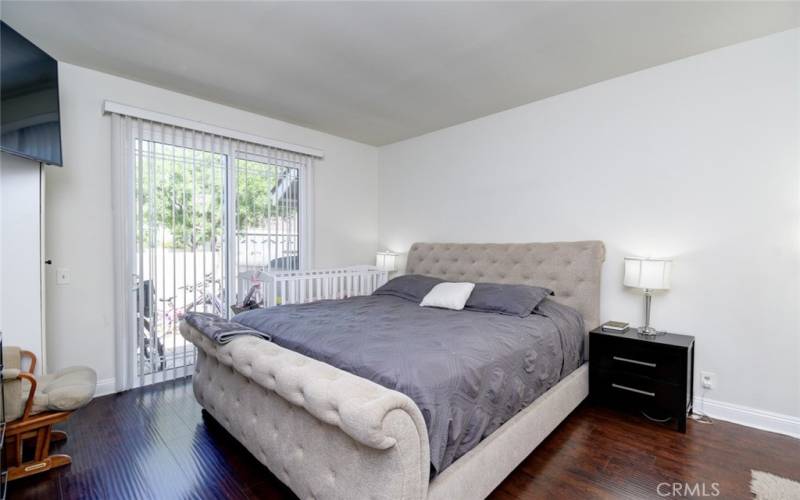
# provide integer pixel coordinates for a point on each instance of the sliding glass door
(209, 215)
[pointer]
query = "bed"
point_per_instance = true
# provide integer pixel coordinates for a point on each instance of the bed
(328, 433)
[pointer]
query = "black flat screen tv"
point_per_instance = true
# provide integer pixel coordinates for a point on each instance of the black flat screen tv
(31, 122)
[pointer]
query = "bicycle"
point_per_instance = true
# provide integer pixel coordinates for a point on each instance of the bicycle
(168, 316)
(205, 297)
(143, 314)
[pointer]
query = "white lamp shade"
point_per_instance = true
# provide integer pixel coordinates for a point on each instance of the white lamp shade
(649, 274)
(386, 261)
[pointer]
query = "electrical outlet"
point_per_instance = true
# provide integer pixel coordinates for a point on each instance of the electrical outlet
(707, 379)
(62, 276)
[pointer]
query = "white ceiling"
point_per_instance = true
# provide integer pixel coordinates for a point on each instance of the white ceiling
(383, 72)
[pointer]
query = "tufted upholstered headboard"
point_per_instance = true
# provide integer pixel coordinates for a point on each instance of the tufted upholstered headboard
(571, 269)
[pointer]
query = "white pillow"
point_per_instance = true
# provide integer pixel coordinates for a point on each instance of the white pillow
(448, 295)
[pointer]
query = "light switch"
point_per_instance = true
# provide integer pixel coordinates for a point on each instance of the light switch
(62, 276)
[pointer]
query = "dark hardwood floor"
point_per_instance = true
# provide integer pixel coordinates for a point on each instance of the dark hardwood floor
(155, 443)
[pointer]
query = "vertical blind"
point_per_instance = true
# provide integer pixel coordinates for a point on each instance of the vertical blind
(195, 213)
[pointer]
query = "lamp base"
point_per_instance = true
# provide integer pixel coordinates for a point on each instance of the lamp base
(649, 331)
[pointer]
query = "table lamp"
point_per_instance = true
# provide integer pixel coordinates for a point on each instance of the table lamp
(386, 261)
(648, 275)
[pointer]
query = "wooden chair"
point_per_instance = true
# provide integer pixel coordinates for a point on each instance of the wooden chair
(31, 414)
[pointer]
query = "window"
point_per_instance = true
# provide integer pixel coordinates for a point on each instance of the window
(181, 249)
(267, 215)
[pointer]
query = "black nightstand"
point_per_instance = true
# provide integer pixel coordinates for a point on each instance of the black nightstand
(650, 374)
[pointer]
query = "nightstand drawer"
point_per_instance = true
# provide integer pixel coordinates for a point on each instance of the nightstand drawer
(637, 358)
(632, 390)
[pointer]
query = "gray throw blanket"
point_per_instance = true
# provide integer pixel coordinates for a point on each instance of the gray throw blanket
(468, 372)
(219, 329)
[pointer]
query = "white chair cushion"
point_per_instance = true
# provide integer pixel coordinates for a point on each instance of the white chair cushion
(65, 390)
(448, 295)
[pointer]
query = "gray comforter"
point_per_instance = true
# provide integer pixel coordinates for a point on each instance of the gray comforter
(468, 372)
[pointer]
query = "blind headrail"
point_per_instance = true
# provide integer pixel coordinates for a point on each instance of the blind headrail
(133, 111)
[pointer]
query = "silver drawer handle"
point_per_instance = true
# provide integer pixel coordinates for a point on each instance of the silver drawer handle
(631, 389)
(635, 362)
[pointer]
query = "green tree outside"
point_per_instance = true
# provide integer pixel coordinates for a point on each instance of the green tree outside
(182, 191)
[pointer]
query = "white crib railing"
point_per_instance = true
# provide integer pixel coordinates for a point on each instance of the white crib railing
(297, 287)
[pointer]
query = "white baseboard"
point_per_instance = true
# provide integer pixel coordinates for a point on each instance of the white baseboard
(751, 417)
(105, 387)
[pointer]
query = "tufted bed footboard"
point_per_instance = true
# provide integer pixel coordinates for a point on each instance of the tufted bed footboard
(323, 432)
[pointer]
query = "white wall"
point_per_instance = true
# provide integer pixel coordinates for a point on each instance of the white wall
(20, 254)
(696, 160)
(78, 205)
